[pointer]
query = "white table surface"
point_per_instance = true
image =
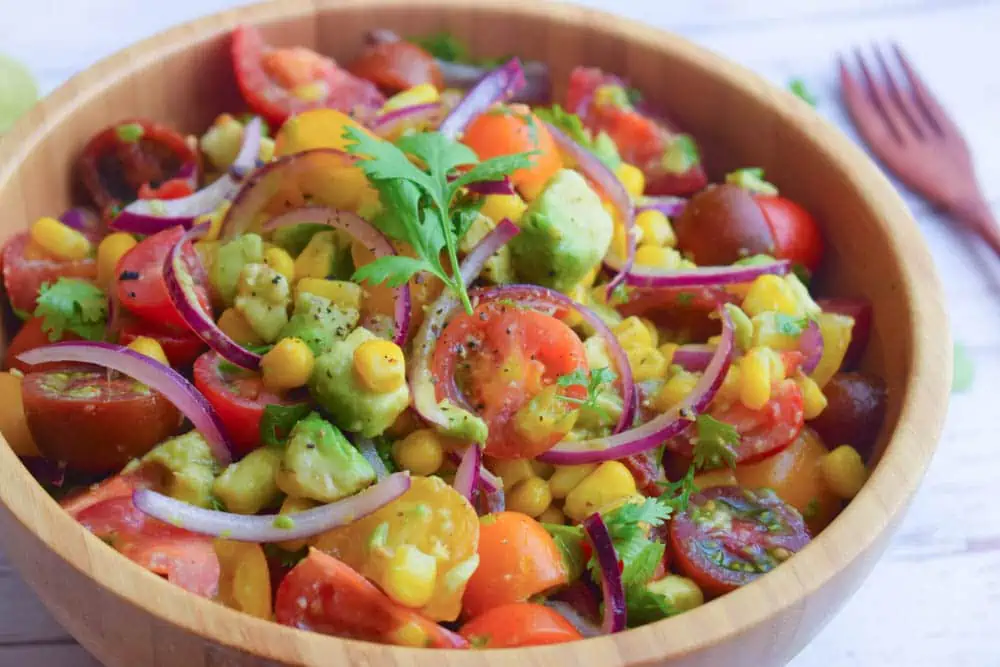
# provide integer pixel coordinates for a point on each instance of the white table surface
(934, 600)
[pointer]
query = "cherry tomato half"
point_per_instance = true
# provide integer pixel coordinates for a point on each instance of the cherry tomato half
(729, 536)
(499, 358)
(396, 66)
(175, 188)
(722, 224)
(181, 346)
(796, 234)
(26, 268)
(278, 83)
(856, 404)
(519, 624)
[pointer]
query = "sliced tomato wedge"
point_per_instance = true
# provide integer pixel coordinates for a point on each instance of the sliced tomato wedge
(175, 188)
(26, 268)
(499, 358)
(322, 594)
(796, 233)
(280, 82)
(119, 486)
(519, 624)
(139, 279)
(180, 345)
(396, 66)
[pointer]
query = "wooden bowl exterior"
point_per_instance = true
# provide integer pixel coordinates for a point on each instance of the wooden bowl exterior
(128, 617)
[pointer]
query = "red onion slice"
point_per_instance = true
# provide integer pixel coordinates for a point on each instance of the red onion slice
(705, 276)
(179, 288)
(391, 123)
(82, 220)
(693, 357)
(811, 346)
(490, 487)
(663, 426)
(467, 475)
(363, 231)
(163, 379)
(497, 86)
(149, 216)
(504, 187)
(537, 88)
(665, 204)
(615, 613)
(269, 528)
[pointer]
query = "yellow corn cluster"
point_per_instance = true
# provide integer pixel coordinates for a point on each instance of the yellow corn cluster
(287, 365)
(639, 338)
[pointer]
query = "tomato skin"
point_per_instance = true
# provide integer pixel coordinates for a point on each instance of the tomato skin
(175, 188)
(519, 624)
(517, 559)
(796, 233)
(856, 405)
(94, 433)
(24, 272)
(29, 337)
(690, 536)
(722, 224)
(647, 471)
(511, 130)
(322, 594)
(122, 485)
(266, 93)
(139, 280)
(181, 346)
(396, 66)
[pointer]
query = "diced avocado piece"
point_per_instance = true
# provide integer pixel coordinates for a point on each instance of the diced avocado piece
(187, 466)
(319, 463)
(668, 596)
(327, 255)
(498, 268)
(230, 258)
(263, 300)
(294, 238)
(248, 485)
(354, 407)
(318, 322)
(564, 234)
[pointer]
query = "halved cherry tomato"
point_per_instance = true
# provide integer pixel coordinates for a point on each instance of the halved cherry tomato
(647, 471)
(722, 224)
(396, 66)
(856, 404)
(729, 536)
(514, 129)
(139, 280)
(32, 336)
(134, 153)
(499, 358)
(517, 559)
(244, 579)
(181, 346)
(26, 268)
(175, 188)
(239, 398)
(278, 83)
(184, 558)
(322, 594)
(519, 624)
(796, 234)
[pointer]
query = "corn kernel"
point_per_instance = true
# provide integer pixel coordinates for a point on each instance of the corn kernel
(566, 478)
(379, 365)
(843, 471)
(770, 293)
(531, 497)
(342, 293)
(60, 240)
(266, 151)
(658, 257)
(553, 515)
(421, 452)
(632, 178)
(149, 347)
(729, 392)
(425, 93)
(498, 207)
(619, 239)
(410, 576)
(633, 333)
(675, 390)
(656, 228)
(287, 365)
(611, 481)
(647, 364)
(293, 505)
(742, 326)
(234, 325)
(755, 385)
(111, 249)
(512, 471)
(279, 260)
(668, 350)
(813, 399)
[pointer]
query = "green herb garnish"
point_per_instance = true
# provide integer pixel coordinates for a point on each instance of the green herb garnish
(230, 367)
(678, 494)
(595, 382)
(73, 305)
(130, 133)
(752, 180)
(681, 155)
(789, 325)
(278, 420)
(963, 369)
(716, 443)
(798, 88)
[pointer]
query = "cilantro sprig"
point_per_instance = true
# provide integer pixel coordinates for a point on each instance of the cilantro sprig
(278, 421)
(716, 443)
(596, 382)
(75, 305)
(422, 206)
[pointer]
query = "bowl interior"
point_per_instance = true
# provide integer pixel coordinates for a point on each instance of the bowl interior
(184, 77)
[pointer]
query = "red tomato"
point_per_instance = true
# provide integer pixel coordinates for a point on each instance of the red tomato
(119, 486)
(856, 405)
(30, 337)
(729, 536)
(269, 79)
(181, 346)
(647, 471)
(499, 358)
(519, 624)
(239, 398)
(685, 312)
(796, 233)
(184, 558)
(26, 269)
(396, 66)
(140, 284)
(175, 188)
(322, 594)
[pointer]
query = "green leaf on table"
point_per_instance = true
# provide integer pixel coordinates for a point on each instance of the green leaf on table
(18, 91)
(963, 369)
(799, 89)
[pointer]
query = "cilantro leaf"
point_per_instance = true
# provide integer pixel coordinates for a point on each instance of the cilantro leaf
(645, 606)
(569, 540)
(443, 46)
(73, 305)
(789, 325)
(278, 421)
(716, 443)
(493, 169)
(799, 89)
(595, 382)
(678, 494)
(602, 146)
(643, 564)
(229, 367)
(393, 270)
(628, 526)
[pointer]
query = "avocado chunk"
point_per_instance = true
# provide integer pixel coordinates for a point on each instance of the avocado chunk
(294, 238)
(187, 467)
(318, 322)
(248, 485)
(670, 595)
(230, 258)
(565, 232)
(263, 300)
(353, 406)
(319, 463)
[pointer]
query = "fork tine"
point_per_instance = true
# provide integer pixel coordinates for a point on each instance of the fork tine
(933, 112)
(863, 112)
(903, 101)
(879, 97)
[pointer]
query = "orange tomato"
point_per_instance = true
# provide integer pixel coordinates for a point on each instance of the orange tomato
(517, 559)
(518, 624)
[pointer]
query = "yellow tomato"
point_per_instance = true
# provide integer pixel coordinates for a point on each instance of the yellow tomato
(244, 578)
(318, 128)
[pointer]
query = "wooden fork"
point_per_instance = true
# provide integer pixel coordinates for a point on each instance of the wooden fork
(912, 135)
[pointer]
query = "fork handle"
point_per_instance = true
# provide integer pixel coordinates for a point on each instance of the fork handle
(976, 214)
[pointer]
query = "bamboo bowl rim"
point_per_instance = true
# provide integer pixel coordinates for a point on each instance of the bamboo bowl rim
(873, 512)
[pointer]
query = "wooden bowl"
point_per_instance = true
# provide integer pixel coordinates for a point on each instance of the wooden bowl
(128, 617)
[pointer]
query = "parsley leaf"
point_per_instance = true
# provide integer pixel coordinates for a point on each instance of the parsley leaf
(678, 494)
(716, 443)
(798, 88)
(595, 382)
(73, 305)
(278, 421)
(569, 540)
(602, 146)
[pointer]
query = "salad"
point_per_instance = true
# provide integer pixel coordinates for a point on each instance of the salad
(408, 352)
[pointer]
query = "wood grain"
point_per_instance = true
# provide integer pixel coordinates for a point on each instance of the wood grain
(135, 619)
